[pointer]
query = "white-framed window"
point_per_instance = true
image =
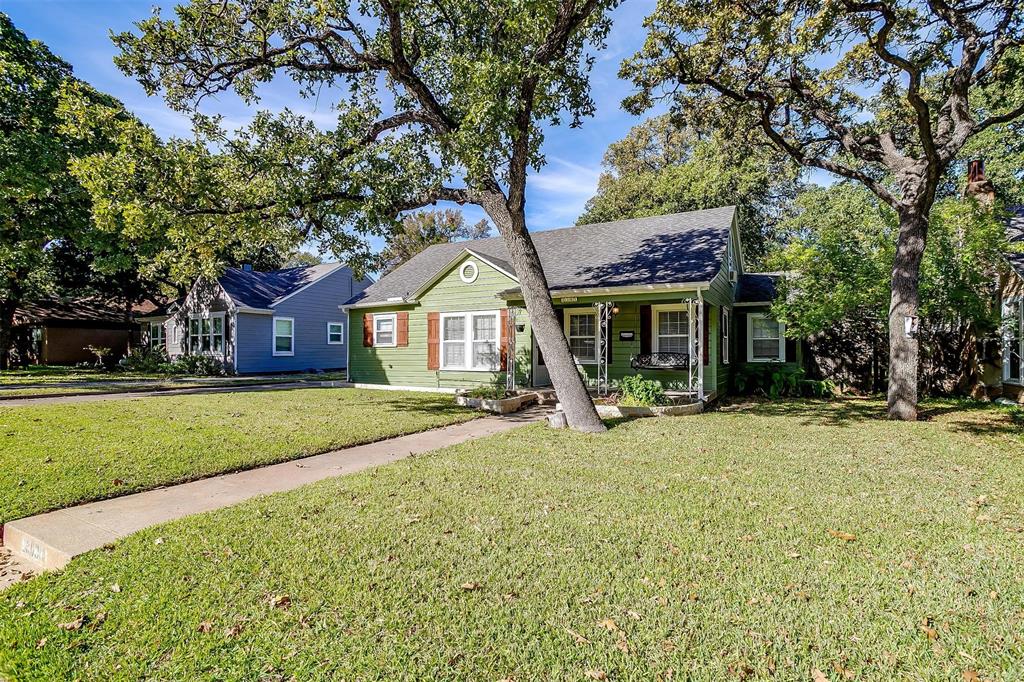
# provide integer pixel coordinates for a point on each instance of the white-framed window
(581, 332)
(206, 333)
(1013, 341)
(671, 333)
(384, 327)
(335, 333)
(284, 336)
(730, 261)
(766, 339)
(469, 272)
(157, 335)
(726, 326)
(470, 341)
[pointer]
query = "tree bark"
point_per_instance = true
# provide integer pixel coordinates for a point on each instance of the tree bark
(7, 308)
(572, 392)
(904, 303)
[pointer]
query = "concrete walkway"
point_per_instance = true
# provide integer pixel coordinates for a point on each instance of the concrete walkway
(49, 541)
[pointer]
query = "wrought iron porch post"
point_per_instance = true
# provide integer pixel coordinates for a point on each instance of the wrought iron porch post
(604, 314)
(510, 353)
(700, 345)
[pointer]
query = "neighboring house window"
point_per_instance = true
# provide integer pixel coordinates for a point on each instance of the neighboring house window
(384, 330)
(284, 336)
(730, 259)
(726, 333)
(206, 333)
(581, 331)
(469, 341)
(1013, 340)
(671, 329)
(157, 335)
(766, 339)
(335, 333)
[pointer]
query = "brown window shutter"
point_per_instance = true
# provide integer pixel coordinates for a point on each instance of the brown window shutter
(368, 330)
(402, 331)
(433, 340)
(503, 336)
(645, 329)
(706, 320)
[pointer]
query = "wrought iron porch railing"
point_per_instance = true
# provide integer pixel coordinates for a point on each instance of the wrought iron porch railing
(660, 361)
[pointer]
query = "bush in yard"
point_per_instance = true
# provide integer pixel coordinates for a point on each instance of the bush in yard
(488, 392)
(781, 382)
(146, 360)
(195, 365)
(640, 392)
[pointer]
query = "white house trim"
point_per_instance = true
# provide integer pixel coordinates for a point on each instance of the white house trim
(781, 357)
(273, 337)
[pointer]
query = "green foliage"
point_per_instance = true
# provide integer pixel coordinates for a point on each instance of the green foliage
(144, 360)
(780, 382)
(641, 392)
(839, 255)
(661, 167)
(195, 365)
(488, 392)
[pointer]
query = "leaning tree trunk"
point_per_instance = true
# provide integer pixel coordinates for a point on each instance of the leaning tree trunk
(7, 308)
(904, 304)
(572, 392)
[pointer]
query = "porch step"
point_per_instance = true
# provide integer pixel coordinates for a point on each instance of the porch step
(546, 396)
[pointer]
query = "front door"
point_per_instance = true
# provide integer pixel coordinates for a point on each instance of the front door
(540, 372)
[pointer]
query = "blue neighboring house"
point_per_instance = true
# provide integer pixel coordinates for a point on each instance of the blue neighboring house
(260, 322)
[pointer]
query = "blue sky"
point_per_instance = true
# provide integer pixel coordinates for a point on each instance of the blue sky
(79, 32)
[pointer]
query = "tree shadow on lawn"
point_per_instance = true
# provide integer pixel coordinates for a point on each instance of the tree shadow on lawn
(979, 418)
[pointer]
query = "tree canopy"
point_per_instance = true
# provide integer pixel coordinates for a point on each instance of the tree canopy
(421, 229)
(665, 166)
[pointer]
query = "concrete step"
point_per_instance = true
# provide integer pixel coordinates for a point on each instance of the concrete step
(49, 541)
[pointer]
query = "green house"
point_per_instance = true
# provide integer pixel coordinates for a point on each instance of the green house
(666, 297)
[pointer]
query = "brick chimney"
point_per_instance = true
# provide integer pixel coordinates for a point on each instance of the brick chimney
(978, 186)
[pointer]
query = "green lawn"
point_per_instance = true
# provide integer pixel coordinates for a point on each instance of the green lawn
(715, 547)
(49, 374)
(62, 454)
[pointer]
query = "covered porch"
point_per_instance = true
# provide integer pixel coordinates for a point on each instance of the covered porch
(670, 337)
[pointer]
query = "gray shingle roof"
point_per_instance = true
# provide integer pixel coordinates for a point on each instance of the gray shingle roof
(757, 287)
(251, 289)
(668, 249)
(1015, 235)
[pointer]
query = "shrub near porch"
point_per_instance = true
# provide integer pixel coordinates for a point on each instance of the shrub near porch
(768, 543)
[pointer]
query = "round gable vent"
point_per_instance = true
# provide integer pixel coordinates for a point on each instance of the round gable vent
(469, 272)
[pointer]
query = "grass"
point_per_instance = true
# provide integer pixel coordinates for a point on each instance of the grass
(49, 374)
(61, 454)
(764, 544)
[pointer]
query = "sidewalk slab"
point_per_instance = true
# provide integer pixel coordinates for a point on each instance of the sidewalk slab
(51, 540)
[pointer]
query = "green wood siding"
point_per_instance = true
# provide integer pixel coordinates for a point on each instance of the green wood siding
(407, 366)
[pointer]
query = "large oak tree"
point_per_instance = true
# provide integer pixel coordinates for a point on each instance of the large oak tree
(436, 101)
(882, 92)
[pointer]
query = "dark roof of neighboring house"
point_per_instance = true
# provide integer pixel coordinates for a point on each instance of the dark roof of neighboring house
(757, 287)
(1015, 235)
(252, 289)
(84, 310)
(668, 249)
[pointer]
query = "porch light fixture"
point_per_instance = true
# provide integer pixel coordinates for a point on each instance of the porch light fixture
(615, 310)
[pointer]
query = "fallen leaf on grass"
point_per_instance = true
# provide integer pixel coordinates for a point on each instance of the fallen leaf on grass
(622, 645)
(234, 630)
(633, 614)
(818, 676)
(471, 586)
(41, 643)
(76, 624)
(158, 541)
(840, 535)
(608, 624)
(577, 637)
(971, 676)
(280, 601)
(205, 626)
(931, 632)
(118, 481)
(115, 588)
(596, 674)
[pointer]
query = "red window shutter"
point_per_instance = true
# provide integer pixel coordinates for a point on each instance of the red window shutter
(706, 320)
(402, 331)
(503, 336)
(433, 340)
(645, 329)
(368, 330)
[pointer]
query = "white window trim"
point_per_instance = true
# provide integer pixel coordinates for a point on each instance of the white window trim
(162, 335)
(725, 331)
(467, 341)
(1020, 336)
(566, 312)
(394, 330)
(781, 357)
(211, 316)
(335, 343)
(274, 335)
(669, 307)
